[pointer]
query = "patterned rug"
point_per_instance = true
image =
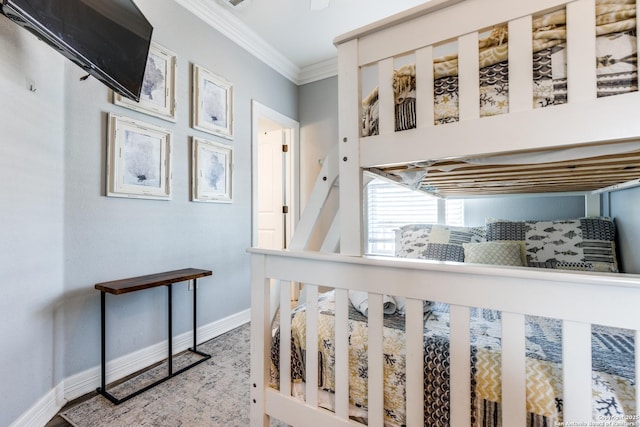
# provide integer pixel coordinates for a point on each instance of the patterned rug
(212, 394)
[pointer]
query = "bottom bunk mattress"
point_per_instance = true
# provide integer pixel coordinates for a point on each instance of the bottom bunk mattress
(612, 377)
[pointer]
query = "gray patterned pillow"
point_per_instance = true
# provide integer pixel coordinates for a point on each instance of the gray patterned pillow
(443, 252)
(586, 244)
(435, 242)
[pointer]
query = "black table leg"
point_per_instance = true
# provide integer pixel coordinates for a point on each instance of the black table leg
(195, 299)
(103, 388)
(170, 355)
(103, 351)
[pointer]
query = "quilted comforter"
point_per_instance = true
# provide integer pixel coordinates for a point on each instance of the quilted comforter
(612, 378)
(616, 68)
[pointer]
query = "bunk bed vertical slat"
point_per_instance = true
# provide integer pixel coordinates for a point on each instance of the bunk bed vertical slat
(350, 199)
(285, 338)
(514, 395)
(414, 363)
(342, 353)
(311, 375)
(375, 372)
(468, 77)
(581, 51)
(386, 102)
(460, 368)
(576, 371)
(520, 64)
(260, 341)
(424, 87)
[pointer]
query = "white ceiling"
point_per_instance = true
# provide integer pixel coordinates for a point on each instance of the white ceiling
(295, 37)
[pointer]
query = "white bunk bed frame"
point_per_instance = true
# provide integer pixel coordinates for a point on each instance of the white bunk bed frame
(579, 299)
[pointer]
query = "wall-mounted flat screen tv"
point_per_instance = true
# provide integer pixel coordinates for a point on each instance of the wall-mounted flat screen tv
(107, 38)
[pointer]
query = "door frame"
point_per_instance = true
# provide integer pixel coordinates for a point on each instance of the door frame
(259, 111)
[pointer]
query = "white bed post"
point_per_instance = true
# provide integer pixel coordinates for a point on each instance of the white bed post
(260, 340)
(348, 149)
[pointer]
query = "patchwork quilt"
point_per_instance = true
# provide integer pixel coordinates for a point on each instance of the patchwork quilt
(583, 244)
(615, 62)
(612, 377)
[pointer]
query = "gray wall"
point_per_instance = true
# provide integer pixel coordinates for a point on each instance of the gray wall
(538, 208)
(318, 111)
(31, 220)
(60, 235)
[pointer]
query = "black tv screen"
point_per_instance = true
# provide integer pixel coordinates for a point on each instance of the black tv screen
(108, 38)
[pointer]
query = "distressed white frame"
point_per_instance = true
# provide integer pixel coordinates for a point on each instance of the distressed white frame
(117, 148)
(166, 109)
(202, 77)
(200, 192)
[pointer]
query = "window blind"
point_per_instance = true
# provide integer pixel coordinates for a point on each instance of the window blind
(390, 206)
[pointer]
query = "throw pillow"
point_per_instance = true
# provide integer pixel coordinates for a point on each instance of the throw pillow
(496, 253)
(579, 244)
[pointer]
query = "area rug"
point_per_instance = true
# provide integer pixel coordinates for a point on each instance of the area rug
(212, 394)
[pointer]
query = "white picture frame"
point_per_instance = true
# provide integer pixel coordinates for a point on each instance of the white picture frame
(212, 97)
(138, 159)
(158, 95)
(212, 171)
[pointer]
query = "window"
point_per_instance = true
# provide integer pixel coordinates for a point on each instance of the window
(390, 206)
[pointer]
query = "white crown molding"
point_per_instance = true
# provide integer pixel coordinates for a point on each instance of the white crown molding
(319, 71)
(234, 29)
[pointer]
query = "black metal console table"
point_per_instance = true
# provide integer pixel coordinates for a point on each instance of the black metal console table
(133, 284)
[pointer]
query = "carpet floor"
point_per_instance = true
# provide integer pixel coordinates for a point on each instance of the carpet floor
(214, 393)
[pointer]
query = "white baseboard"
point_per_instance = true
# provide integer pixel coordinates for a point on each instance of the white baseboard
(87, 381)
(43, 410)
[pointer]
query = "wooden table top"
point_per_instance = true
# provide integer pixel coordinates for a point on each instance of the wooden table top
(139, 283)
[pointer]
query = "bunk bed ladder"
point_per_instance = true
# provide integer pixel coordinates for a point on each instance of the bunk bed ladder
(316, 206)
(309, 219)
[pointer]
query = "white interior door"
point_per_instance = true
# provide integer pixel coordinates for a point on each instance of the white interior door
(271, 188)
(275, 182)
